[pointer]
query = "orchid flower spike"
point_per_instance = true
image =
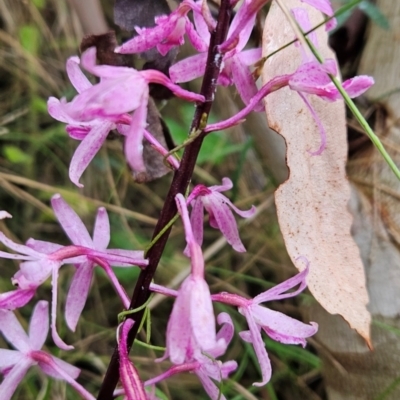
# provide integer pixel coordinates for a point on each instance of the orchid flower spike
(219, 208)
(276, 325)
(99, 108)
(15, 363)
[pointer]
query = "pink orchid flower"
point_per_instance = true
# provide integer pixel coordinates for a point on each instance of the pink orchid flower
(168, 32)
(78, 234)
(276, 325)
(244, 20)
(15, 363)
(44, 259)
(311, 77)
(191, 326)
(236, 61)
(99, 108)
(219, 208)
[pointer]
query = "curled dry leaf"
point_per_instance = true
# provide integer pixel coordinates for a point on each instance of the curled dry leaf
(312, 204)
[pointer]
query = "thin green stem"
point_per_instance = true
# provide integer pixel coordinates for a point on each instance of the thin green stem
(123, 314)
(155, 240)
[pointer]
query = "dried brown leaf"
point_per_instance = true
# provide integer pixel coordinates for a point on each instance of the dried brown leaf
(312, 204)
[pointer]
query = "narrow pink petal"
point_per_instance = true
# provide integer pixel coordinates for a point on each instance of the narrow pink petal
(70, 222)
(39, 325)
(224, 335)
(201, 25)
(358, 85)
(5, 214)
(13, 378)
(133, 386)
(310, 78)
(212, 368)
(42, 246)
(109, 72)
(197, 221)
(208, 18)
(179, 328)
(77, 132)
(183, 211)
(133, 143)
(321, 5)
(56, 338)
(209, 386)
(202, 315)
(108, 99)
(175, 38)
(19, 248)
(87, 149)
(301, 16)
(242, 25)
(154, 76)
(134, 257)
(13, 332)
(76, 76)
(325, 7)
(16, 298)
(117, 257)
(226, 185)
(278, 292)
(101, 231)
(200, 43)
(147, 39)
(188, 69)
(57, 110)
(226, 222)
(8, 358)
(282, 328)
(157, 146)
(249, 57)
(59, 369)
(243, 213)
(259, 348)
(78, 293)
(227, 368)
(244, 82)
(54, 365)
(227, 330)
(321, 128)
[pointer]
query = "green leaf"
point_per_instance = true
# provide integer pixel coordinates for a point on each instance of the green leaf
(293, 353)
(29, 36)
(39, 104)
(40, 4)
(15, 155)
(375, 14)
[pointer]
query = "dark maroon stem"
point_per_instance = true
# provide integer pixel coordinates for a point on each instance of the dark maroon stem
(179, 184)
